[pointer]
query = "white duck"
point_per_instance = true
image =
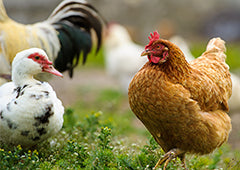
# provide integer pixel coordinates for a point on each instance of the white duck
(30, 111)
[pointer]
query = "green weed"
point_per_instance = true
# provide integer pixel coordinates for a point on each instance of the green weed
(94, 144)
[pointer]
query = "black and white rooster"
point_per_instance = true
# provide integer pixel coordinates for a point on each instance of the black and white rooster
(66, 35)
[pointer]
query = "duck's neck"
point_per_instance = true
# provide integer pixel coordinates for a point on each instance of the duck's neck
(20, 79)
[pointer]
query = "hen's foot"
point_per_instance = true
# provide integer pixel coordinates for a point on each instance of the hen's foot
(173, 153)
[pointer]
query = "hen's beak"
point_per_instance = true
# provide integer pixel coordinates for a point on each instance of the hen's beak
(146, 52)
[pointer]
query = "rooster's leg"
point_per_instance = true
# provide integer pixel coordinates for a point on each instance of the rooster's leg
(173, 153)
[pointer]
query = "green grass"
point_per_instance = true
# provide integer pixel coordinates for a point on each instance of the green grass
(115, 107)
(197, 48)
(95, 60)
(100, 132)
(95, 143)
(233, 53)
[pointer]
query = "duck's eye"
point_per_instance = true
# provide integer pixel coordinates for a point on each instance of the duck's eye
(37, 57)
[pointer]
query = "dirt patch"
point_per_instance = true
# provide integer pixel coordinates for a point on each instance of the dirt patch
(91, 78)
(234, 138)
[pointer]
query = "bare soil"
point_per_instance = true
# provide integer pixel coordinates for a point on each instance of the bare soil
(96, 79)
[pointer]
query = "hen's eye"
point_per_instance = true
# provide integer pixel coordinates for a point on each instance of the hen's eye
(37, 57)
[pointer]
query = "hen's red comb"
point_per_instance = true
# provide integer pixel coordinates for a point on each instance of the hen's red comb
(153, 37)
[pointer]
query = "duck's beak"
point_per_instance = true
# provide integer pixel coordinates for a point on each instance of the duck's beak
(51, 69)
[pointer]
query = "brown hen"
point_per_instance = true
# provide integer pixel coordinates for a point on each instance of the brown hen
(183, 105)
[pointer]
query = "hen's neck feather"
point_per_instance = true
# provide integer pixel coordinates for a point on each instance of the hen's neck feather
(176, 65)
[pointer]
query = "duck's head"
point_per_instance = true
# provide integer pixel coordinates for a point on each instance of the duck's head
(31, 62)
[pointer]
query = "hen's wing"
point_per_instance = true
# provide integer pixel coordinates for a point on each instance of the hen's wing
(211, 65)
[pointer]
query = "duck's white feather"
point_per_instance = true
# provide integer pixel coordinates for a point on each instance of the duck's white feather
(29, 113)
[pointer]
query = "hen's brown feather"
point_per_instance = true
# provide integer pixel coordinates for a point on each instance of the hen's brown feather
(184, 105)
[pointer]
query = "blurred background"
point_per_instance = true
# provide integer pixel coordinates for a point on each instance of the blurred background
(91, 89)
(190, 19)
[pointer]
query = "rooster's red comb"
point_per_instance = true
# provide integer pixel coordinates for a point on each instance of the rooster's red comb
(153, 37)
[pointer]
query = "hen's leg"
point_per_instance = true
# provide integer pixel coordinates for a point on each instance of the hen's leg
(182, 158)
(173, 153)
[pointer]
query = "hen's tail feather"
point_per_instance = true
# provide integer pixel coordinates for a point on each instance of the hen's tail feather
(73, 19)
(217, 45)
